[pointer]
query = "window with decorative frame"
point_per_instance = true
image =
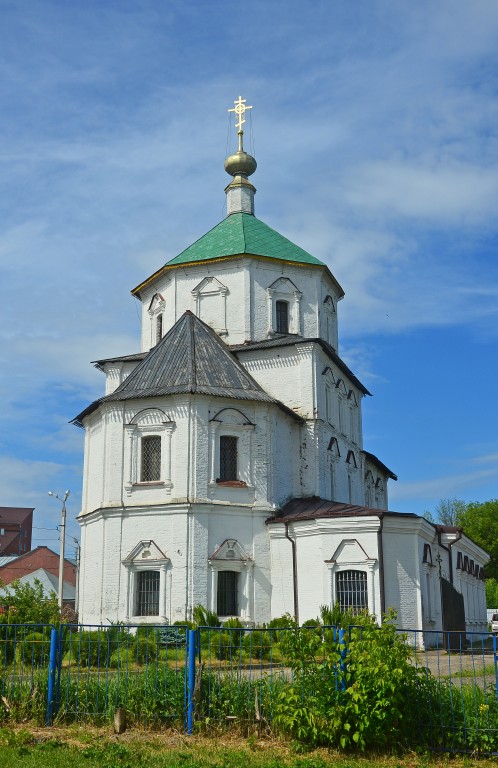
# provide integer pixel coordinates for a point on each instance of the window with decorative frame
(146, 568)
(148, 450)
(156, 314)
(284, 315)
(231, 590)
(230, 449)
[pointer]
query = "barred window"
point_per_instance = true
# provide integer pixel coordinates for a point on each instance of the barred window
(282, 316)
(352, 591)
(227, 603)
(147, 593)
(151, 459)
(228, 457)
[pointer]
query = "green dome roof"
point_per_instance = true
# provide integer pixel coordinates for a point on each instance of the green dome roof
(242, 233)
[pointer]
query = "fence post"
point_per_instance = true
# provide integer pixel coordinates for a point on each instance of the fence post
(191, 680)
(343, 653)
(60, 649)
(495, 653)
(52, 667)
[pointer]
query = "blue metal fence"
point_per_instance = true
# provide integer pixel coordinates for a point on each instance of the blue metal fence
(222, 677)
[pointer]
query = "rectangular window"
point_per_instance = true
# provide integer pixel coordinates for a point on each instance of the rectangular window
(147, 593)
(228, 457)
(227, 603)
(159, 328)
(151, 459)
(352, 591)
(282, 316)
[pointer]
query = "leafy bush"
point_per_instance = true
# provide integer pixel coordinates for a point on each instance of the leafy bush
(204, 618)
(351, 695)
(258, 644)
(33, 650)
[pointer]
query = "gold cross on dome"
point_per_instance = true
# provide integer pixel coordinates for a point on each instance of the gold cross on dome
(239, 109)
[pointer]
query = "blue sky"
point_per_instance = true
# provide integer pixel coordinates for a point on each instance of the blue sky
(375, 128)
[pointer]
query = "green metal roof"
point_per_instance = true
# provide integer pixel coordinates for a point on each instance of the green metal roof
(243, 233)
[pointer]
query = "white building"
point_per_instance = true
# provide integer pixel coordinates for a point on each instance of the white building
(225, 465)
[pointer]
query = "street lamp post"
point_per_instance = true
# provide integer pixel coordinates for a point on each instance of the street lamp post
(63, 543)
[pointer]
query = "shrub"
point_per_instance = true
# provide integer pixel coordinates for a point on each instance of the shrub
(357, 694)
(33, 650)
(258, 644)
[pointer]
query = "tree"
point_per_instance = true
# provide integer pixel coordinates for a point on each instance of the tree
(479, 520)
(449, 512)
(25, 603)
(492, 593)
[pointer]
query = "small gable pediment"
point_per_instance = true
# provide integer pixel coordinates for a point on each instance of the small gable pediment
(333, 447)
(349, 551)
(157, 303)
(284, 285)
(341, 387)
(230, 550)
(209, 286)
(145, 552)
(329, 374)
(329, 303)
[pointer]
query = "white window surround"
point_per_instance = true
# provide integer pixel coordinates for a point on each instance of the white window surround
(149, 422)
(146, 556)
(429, 570)
(331, 405)
(230, 556)
(211, 289)
(360, 563)
(330, 320)
(156, 308)
(231, 422)
(284, 289)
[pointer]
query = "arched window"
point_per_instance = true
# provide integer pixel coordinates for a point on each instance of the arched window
(351, 591)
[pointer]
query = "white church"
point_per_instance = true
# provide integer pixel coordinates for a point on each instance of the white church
(224, 465)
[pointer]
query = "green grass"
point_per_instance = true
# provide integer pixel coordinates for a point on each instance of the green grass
(95, 748)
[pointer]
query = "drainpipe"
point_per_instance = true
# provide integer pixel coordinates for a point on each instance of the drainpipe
(294, 572)
(380, 547)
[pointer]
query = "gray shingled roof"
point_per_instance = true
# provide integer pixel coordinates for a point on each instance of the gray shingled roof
(190, 358)
(288, 340)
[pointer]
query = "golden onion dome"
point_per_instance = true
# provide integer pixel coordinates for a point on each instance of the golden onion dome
(240, 164)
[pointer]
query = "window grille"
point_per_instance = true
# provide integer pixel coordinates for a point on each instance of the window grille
(228, 457)
(352, 591)
(282, 316)
(227, 593)
(151, 459)
(147, 594)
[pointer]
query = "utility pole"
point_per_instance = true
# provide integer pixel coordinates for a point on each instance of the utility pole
(62, 545)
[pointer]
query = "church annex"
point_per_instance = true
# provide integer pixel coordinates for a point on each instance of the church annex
(225, 464)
